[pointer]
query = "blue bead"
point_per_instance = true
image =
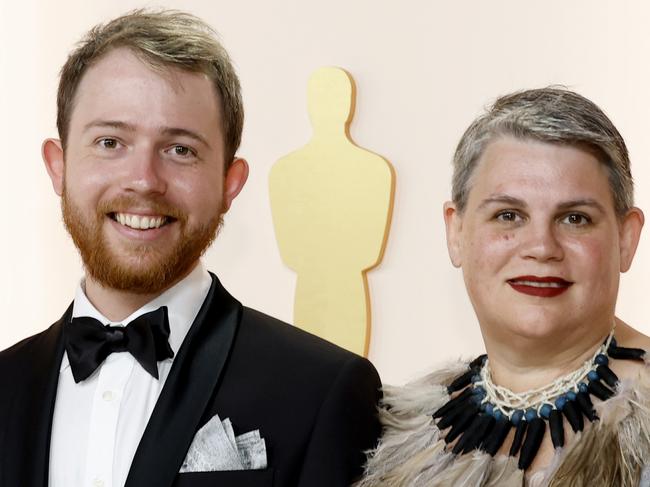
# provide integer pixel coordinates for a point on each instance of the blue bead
(530, 415)
(593, 375)
(483, 406)
(476, 378)
(571, 396)
(478, 391)
(613, 342)
(582, 387)
(601, 359)
(497, 414)
(560, 402)
(545, 411)
(516, 417)
(489, 408)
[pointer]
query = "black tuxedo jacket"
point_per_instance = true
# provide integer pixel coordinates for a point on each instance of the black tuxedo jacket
(314, 403)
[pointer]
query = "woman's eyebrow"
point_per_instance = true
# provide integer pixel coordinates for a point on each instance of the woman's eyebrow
(517, 202)
(502, 199)
(582, 202)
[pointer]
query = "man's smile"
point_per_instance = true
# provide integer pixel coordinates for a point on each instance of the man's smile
(140, 222)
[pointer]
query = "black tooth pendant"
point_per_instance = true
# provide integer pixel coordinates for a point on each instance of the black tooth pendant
(468, 440)
(556, 424)
(468, 435)
(624, 353)
(599, 390)
(461, 382)
(495, 439)
(478, 362)
(461, 424)
(573, 416)
(452, 403)
(608, 376)
(519, 438)
(453, 414)
(583, 400)
(534, 437)
(483, 429)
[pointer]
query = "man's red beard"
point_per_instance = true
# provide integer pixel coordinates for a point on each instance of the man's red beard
(165, 265)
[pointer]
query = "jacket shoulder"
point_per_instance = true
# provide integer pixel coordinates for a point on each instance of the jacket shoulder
(293, 342)
(22, 349)
(32, 353)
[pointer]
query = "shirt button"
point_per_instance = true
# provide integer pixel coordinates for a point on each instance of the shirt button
(98, 483)
(108, 397)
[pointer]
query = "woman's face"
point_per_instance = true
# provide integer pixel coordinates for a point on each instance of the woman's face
(539, 242)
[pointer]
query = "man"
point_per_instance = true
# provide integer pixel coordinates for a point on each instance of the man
(155, 375)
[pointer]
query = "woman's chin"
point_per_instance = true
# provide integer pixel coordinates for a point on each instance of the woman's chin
(534, 327)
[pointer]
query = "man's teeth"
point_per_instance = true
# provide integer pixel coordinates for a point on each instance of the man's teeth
(140, 222)
(540, 284)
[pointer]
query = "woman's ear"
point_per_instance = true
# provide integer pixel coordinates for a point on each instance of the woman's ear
(629, 235)
(454, 227)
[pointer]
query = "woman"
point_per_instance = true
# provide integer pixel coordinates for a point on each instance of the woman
(542, 223)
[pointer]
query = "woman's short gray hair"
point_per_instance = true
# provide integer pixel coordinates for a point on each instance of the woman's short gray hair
(555, 115)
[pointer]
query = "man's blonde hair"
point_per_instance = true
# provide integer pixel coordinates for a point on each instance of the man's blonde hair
(162, 39)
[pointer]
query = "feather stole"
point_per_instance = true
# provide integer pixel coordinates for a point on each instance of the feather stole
(612, 451)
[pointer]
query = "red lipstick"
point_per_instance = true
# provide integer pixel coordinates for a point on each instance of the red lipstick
(543, 287)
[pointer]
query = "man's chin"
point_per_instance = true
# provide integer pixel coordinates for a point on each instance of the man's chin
(138, 277)
(138, 266)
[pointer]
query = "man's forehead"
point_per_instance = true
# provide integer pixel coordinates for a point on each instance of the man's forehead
(122, 87)
(124, 61)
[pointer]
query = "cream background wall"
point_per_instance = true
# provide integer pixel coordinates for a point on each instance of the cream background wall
(423, 69)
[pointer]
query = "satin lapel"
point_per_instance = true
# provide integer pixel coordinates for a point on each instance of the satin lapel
(27, 455)
(192, 381)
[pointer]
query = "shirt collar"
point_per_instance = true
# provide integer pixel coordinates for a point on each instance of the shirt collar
(183, 301)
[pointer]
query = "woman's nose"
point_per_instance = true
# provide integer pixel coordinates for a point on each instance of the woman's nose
(541, 243)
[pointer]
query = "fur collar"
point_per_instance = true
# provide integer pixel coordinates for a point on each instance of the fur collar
(411, 452)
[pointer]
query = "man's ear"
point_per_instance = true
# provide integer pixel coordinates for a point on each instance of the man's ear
(236, 177)
(454, 226)
(629, 235)
(52, 152)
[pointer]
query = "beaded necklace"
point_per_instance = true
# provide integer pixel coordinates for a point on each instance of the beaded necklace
(482, 414)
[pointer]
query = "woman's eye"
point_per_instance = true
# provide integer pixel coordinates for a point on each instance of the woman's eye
(576, 219)
(508, 216)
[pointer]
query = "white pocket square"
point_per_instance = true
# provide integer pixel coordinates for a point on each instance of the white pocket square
(215, 447)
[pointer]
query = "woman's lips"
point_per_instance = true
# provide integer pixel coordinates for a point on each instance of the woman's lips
(544, 287)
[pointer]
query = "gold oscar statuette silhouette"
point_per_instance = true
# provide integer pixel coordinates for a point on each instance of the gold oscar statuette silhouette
(332, 204)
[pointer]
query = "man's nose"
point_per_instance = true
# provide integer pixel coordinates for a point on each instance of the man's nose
(144, 172)
(541, 242)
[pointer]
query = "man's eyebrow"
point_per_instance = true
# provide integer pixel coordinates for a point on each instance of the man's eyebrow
(185, 133)
(503, 199)
(115, 124)
(178, 131)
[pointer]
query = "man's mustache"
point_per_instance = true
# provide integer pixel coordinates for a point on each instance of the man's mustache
(126, 204)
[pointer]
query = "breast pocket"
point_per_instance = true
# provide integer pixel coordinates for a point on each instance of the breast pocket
(235, 478)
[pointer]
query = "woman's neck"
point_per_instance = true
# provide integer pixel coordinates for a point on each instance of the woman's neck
(522, 364)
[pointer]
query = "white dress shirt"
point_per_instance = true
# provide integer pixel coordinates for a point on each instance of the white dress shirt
(98, 422)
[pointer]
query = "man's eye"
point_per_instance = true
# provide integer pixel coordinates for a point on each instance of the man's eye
(108, 143)
(576, 219)
(508, 216)
(182, 150)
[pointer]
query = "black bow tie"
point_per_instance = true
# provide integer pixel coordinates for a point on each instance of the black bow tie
(88, 342)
